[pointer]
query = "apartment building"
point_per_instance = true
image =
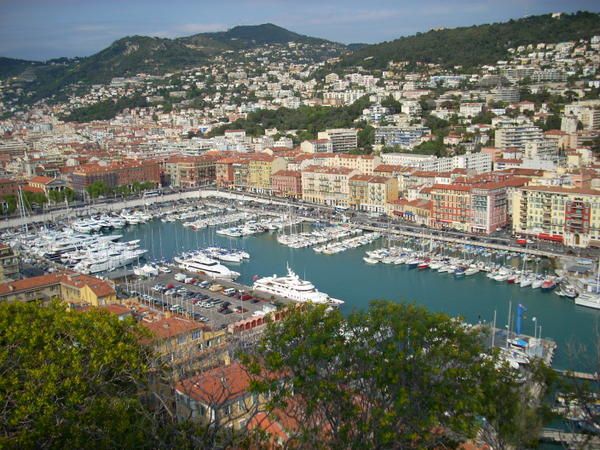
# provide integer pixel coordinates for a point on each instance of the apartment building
(587, 112)
(543, 149)
(478, 208)
(403, 137)
(287, 183)
(190, 171)
(517, 136)
(122, 173)
(261, 168)
(317, 146)
(327, 185)
(372, 193)
(342, 139)
(570, 216)
(362, 163)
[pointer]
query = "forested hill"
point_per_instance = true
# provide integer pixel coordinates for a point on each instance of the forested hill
(476, 45)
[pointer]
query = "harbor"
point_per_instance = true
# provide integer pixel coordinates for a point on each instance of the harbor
(160, 233)
(348, 277)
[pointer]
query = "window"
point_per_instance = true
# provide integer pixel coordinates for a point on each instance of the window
(196, 335)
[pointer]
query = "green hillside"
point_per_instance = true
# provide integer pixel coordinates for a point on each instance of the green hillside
(476, 45)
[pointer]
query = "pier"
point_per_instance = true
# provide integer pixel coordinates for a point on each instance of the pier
(570, 439)
(455, 240)
(579, 375)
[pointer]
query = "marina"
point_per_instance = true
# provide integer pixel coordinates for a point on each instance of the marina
(461, 279)
(346, 276)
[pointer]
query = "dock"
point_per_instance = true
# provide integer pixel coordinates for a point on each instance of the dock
(570, 439)
(579, 375)
(455, 240)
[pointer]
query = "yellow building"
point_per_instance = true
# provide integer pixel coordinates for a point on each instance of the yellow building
(364, 164)
(327, 185)
(372, 193)
(70, 287)
(570, 216)
(261, 167)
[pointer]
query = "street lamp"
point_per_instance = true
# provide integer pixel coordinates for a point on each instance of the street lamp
(534, 320)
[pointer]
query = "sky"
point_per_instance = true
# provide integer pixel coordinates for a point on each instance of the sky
(44, 29)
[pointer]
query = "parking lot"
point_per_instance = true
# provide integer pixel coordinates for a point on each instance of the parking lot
(215, 302)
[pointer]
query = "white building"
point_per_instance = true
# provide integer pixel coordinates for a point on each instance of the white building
(342, 139)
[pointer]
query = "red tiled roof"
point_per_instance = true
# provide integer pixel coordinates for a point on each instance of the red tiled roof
(169, 327)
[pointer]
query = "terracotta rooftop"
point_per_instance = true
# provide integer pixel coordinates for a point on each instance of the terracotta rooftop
(328, 170)
(41, 180)
(169, 327)
(216, 386)
(100, 287)
(288, 173)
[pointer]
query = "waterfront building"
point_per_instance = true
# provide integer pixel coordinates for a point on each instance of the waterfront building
(122, 173)
(417, 211)
(364, 164)
(191, 171)
(372, 192)
(45, 185)
(287, 183)
(570, 216)
(261, 168)
(473, 208)
(327, 185)
(342, 139)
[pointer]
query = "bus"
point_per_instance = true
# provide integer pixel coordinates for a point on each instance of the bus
(151, 193)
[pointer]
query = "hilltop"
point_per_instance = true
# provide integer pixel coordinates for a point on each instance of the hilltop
(476, 45)
(136, 54)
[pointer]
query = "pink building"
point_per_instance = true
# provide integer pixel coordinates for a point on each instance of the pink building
(287, 183)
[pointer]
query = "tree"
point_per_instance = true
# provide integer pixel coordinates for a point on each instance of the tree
(366, 137)
(97, 188)
(394, 376)
(69, 378)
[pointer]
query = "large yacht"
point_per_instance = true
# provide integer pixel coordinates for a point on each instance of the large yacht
(210, 267)
(294, 288)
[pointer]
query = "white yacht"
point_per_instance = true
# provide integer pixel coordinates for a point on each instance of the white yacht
(588, 299)
(210, 267)
(294, 288)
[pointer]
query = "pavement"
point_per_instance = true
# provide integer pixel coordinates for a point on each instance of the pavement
(240, 309)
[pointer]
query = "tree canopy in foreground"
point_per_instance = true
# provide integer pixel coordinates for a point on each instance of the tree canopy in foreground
(394, 376)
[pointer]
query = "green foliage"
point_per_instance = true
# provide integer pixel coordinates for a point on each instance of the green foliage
(435, 147)
(476, 45)
(10, 67)
(366, 138)
(60, 196)
(69, 378)
(311, 119)
(389, 377)
(97, 188)
(104, 110)
(11, 204)
(33, 199)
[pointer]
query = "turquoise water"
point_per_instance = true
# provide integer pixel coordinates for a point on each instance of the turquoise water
(346, 276)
